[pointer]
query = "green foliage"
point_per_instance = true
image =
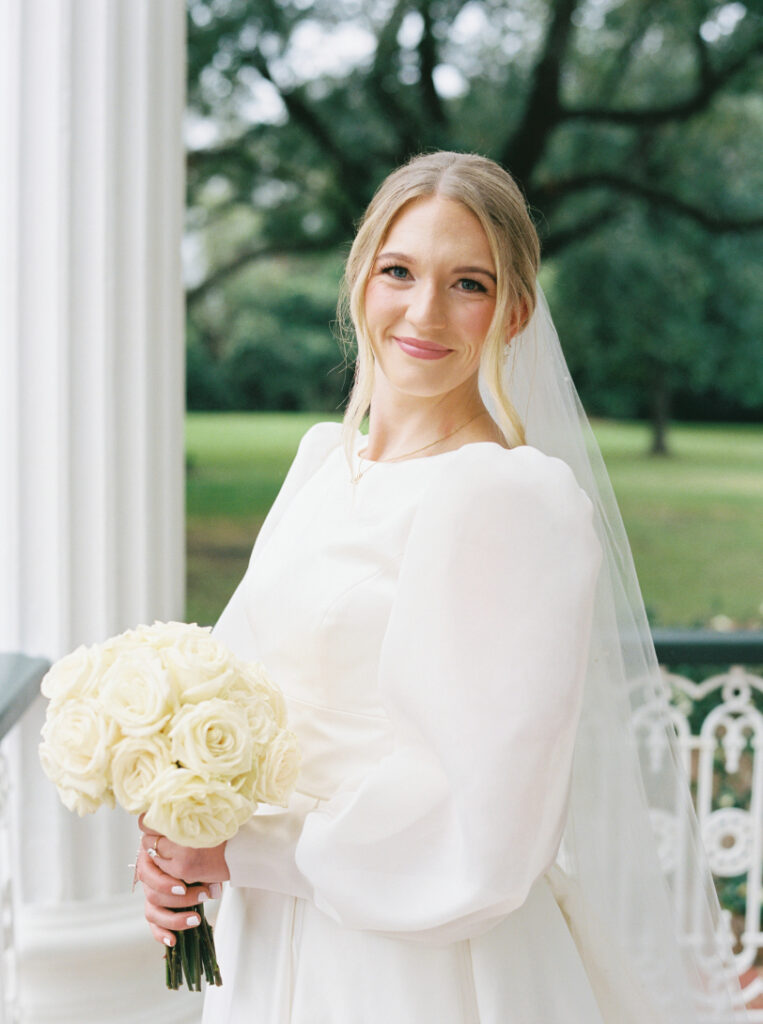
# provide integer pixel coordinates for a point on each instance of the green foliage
(633, 128)
(693, 520)
(688, 327)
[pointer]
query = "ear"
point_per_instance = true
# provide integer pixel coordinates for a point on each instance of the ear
(518, 319)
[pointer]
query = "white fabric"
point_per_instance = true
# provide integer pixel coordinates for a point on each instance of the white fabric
(658, 899)
(430, 629)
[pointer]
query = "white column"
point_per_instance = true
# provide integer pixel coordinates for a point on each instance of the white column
(91, 441)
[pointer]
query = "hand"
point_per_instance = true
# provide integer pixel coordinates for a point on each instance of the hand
(163, 877)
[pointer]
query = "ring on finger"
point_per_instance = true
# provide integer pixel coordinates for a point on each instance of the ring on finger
(153, 851)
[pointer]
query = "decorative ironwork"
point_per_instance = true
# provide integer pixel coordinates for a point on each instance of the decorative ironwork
(719, 725)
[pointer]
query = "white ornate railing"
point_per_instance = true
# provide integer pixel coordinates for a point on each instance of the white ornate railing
(719, 723)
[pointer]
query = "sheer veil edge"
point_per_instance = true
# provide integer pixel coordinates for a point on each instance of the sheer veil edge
(632, 877)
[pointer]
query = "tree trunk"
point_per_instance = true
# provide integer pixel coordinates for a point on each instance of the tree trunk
(660, 412)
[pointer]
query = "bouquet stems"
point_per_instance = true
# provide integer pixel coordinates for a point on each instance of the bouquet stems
(192, 955)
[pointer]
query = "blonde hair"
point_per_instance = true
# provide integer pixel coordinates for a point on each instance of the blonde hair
(492, 195)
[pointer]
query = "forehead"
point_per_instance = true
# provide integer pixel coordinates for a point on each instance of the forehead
(438, 224)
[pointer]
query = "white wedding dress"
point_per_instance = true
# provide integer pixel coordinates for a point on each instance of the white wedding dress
(429, 627)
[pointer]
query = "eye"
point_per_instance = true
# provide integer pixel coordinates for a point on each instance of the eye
(396, 271)
(468, 284)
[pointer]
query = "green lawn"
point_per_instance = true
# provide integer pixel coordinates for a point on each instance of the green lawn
(695, 518)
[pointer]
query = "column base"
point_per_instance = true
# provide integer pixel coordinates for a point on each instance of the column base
(92, 962)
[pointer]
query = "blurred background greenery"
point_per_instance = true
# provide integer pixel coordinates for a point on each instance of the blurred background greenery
(634, 128)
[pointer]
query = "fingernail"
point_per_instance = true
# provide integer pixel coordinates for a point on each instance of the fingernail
(193, 920)
(216, 890)
(178, 890)
(203, 897)
(167, 940)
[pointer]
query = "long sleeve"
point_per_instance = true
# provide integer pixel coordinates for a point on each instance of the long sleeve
(481, 671)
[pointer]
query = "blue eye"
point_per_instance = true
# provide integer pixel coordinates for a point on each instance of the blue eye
(468, 284)
(396, 271)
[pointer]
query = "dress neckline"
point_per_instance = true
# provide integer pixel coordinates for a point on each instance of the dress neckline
(419, 458)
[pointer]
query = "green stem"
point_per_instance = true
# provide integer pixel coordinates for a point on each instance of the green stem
(194, 951)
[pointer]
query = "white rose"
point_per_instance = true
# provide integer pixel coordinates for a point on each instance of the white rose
(212, 738)
(137, 762)
(75, 752)
(76, 675)
(137, 692)
(263, 727)
(199, 665)
(196, 812)
(279, 768)
(81, 802)
(166, 634)
(253, 677)
(246, 783)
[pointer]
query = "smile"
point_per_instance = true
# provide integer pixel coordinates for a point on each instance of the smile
(422, 349)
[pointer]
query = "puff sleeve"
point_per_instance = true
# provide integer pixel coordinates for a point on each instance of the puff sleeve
(481, 671)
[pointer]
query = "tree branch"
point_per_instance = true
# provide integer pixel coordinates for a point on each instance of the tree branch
(543, 107)
(253, 255)
(350, 172)
(709, 85)
(235, 147)
(433, 109)
(620, 62)
(710, 221)
(383, 92)
(558, 240)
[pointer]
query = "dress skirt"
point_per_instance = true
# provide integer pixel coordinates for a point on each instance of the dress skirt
(286, 962)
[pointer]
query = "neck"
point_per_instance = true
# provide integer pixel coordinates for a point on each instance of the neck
(400, 423)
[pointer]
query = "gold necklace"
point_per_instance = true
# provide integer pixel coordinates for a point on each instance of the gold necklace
(416, 451)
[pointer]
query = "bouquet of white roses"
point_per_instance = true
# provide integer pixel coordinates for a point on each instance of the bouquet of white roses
(165, 721)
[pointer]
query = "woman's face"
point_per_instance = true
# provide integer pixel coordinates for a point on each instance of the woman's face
(430, 298)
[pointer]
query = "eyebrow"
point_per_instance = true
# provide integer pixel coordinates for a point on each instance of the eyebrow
(456, 270)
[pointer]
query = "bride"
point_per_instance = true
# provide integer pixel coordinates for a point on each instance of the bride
(450, 608)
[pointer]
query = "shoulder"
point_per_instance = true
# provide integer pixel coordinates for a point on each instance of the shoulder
(501, 479)
(491, 503)
(316, 445)
(318, 442)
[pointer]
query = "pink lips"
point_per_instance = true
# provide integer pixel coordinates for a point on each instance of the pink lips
(422, 349)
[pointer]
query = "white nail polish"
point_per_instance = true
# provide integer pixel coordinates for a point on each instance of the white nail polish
(178, 890)
(203, 897)
(167, 940)
(194, 919)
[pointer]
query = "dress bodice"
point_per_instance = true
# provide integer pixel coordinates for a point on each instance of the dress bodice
(318, 600)
(428, 626)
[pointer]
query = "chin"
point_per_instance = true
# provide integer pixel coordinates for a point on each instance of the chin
(427, 380)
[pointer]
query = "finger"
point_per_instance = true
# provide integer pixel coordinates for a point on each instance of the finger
(170, 891)
(177, 900)
(171, 920)
(145, 828)
(153, 875)
(162, 851)
(167, 938)
(179, 861)
(157, 845)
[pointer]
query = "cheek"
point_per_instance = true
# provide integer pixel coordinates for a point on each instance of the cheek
(476, 324)
(379, 304)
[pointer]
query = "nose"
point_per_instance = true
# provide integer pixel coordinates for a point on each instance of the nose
(426, 309)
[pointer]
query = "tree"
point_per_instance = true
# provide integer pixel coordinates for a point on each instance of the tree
(618, 119)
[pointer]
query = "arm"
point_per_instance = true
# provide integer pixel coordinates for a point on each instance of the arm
(162, 872)
(482, 671)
